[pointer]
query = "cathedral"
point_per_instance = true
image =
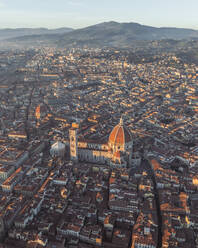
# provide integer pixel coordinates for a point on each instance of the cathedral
(117, 152)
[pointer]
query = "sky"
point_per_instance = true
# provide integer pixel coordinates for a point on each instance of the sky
(82, 13)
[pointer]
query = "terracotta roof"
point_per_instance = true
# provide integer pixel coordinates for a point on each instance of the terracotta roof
(117, 154)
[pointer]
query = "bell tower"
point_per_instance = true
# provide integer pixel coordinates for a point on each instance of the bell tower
(73, 138)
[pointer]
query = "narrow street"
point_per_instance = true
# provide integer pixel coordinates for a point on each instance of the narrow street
(150, 171)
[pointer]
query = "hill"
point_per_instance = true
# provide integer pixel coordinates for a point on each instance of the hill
(110, 34)
(20, 32)
(122, 34)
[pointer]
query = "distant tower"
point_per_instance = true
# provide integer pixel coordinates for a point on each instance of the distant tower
(41, 112)
(73, 137)
(38, 112)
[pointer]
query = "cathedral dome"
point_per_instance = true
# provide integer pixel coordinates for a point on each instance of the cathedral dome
(120, 135)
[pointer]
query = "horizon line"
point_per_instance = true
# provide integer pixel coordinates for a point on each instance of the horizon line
(75, 28)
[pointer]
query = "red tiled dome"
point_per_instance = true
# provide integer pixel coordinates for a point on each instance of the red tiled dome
(120, 135)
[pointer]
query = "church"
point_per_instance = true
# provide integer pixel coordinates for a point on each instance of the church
(117, 152)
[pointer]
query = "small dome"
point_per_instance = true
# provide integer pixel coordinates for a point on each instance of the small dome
(120, 135)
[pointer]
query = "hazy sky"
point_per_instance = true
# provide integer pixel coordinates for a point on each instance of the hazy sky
(81, 13)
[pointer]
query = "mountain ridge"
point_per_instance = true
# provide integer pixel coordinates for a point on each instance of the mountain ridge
(122, 34)
(112, 34)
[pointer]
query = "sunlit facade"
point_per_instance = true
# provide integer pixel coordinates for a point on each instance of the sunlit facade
(117, 152)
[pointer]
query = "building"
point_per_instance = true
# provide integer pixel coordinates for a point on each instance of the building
(58, 149)
(117, 152)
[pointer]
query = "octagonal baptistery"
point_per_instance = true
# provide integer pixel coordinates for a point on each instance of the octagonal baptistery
(120, 138)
